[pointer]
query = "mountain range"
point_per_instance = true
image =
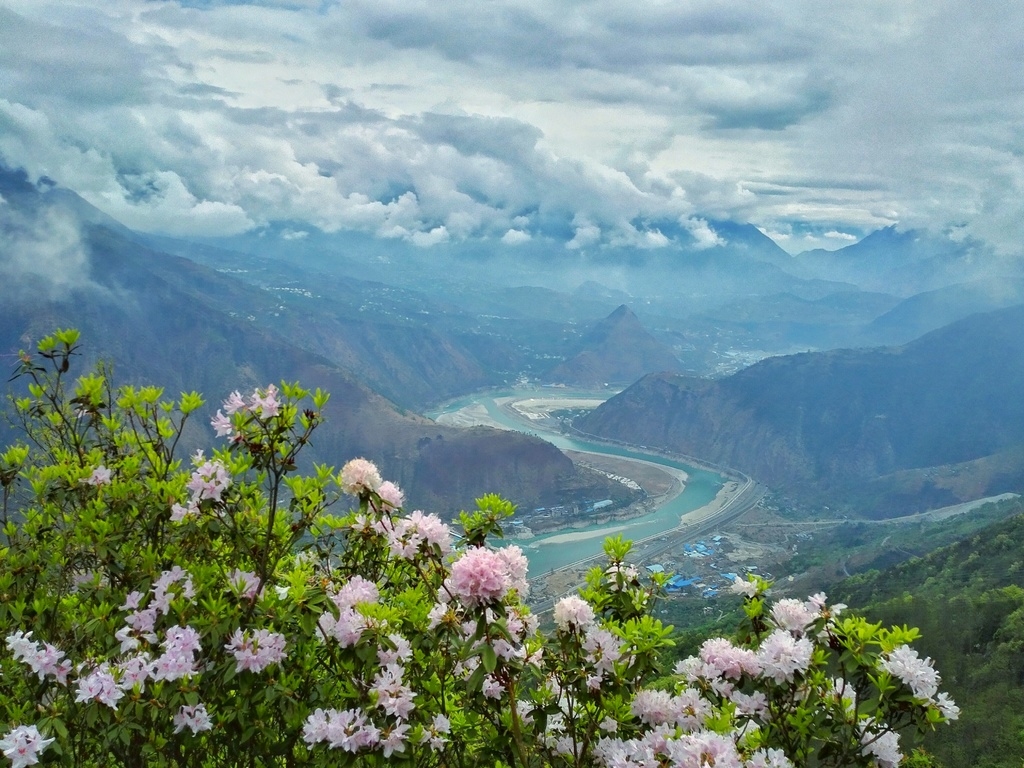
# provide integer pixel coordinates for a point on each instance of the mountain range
(886, 430)
(169, 321)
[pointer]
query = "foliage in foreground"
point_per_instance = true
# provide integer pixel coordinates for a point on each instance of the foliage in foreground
(227, 613)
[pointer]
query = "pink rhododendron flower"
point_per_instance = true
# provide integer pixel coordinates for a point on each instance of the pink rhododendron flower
(356, 590)
(393, 696)
(391, 494)
(793, 615)
(180, 512)
(100, 476)
(256, 650)
(573, 614)
(265, 403)
(884, 747)
(782, 656)
(743, 587)
(246, 582)
(723, 659)
(99, 685)
(195, 718)
(916, 673)
(358, 476)
(209, 481)
(479, 577)
(23, 745)
(43, 659)
(349, 730)
(234, 403)
(222, 425)
(437, 733)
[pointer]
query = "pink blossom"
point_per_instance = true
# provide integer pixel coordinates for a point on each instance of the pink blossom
(701, 749)
(355, 591)
(346, 629)
(209, 481)
(949, 710)
(100, 476)
(406, 535)
(437, 733)
(792, 615)
(491, 688)
(246, 582)
(222, 425)
(516, 566)
(234, 403)
(195, 718)
(134, 671)
(479, 577)
(769, 758)
(256, 650)
(744, 587)
(782, 656)
(392, 695)
(723, 659)
(42, 659)
(180, 512)
(603, 649)
(23, 745)
(265, 403)
(391, 494)
(402, 651)
(99, 685)
(349, 730)
(394, 739)
(178, 660)
(573, 614)
(358, 476)
(884, 747)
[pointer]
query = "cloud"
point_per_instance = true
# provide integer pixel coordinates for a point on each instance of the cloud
(704, 236)
(595, 124)
(43, 253)
(516, 237)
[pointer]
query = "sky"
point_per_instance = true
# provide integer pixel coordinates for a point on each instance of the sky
(597, 123)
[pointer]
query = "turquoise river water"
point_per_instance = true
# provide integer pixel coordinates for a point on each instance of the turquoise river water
(554, 550)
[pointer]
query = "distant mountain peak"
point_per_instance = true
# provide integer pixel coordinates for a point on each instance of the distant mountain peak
(616, 349)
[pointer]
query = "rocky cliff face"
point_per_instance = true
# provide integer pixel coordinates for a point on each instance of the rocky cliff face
(834, 419)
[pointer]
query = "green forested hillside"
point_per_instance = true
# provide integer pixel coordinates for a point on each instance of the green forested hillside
(968, 601)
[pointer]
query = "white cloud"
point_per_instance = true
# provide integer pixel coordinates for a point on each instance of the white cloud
(433, 237)
(703, 234)
(597, 126)
(43, 253)
(516, 237)
(845, 236)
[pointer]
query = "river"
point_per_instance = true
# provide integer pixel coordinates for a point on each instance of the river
(558, 549)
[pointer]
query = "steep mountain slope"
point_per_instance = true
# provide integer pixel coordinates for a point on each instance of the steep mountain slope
(618, 349)
(826, 421)
(168, 321)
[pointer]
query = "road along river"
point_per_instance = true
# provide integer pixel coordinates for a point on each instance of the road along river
(707, 495)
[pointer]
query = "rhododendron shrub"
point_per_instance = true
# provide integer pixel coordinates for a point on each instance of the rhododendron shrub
(228, 609)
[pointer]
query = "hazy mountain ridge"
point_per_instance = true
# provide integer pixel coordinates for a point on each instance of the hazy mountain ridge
(828, 421)
(168, 321)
